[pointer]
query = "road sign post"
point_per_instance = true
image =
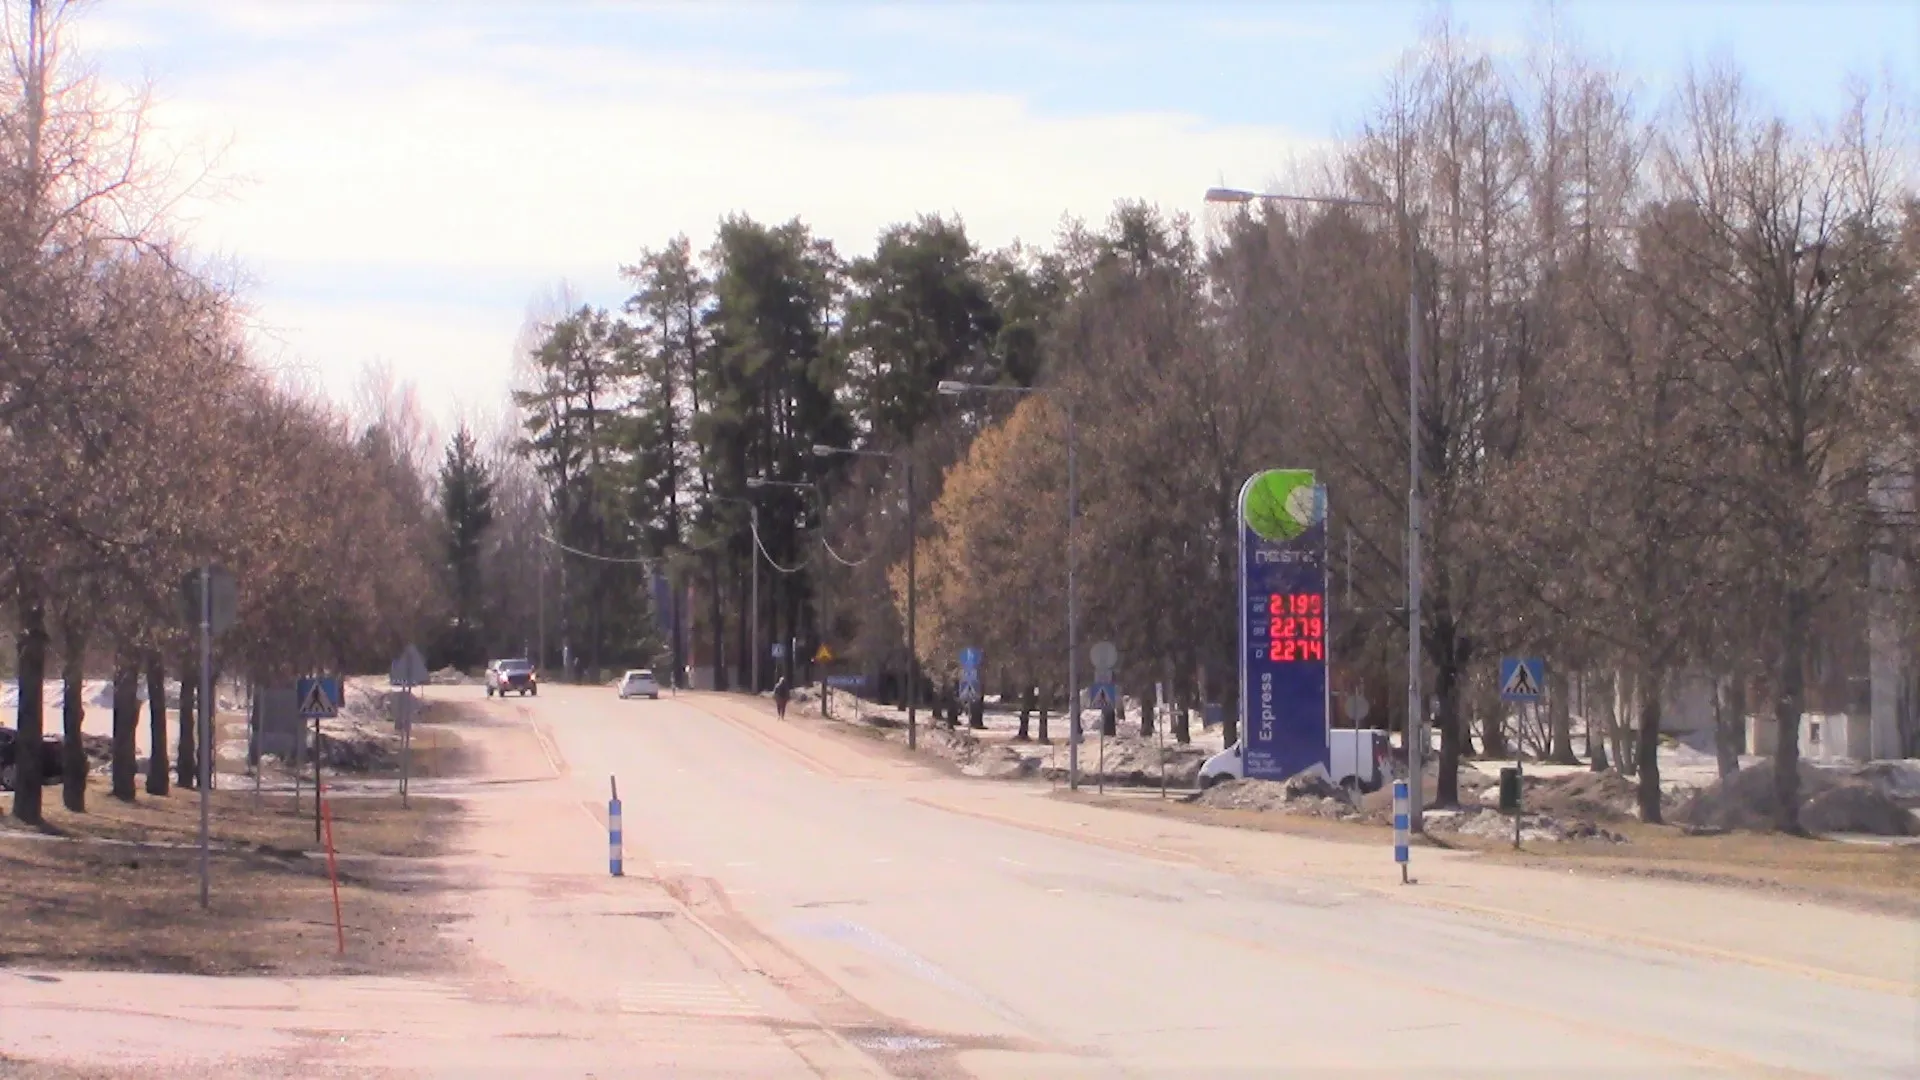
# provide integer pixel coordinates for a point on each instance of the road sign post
(409, 670)
(1523, 680)
(209, 599)
(319, 700)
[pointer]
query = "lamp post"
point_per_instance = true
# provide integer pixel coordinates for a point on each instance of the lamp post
(753, 618)
(953, 388)
(1416, 726)
(913, 537)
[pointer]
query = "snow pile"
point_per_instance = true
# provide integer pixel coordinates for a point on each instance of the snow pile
(1898, 780)
(1589, 796)
(1832, 802)
(1473, 785)
(452, 676)
(1537, 828)
(1309, 793)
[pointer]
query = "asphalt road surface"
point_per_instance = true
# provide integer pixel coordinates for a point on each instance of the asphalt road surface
(797, 905)
(1003, 951)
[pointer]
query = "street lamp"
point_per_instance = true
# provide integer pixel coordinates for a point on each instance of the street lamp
(913, 538)
(1416, 727)
(951, 388)
(753, 618)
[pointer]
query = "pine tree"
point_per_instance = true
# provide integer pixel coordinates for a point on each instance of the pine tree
(466, 509)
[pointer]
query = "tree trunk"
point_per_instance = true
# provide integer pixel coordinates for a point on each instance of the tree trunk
(186, 760)
(1447, 687)
(29, 723)
(1046, 699)
(1493, 731)
(1729, 725)
(1109, 723)
(157, 732)
(719, 626)
(1596, 733)
(1026, 710)
(1229, 711)
(73, 715)
(126, 723)
(1647, 751)
(1560, 718)
(977, 713)
(1620, 708)
(1788, 705)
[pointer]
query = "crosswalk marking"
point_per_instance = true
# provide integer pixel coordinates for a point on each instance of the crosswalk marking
(684, 999)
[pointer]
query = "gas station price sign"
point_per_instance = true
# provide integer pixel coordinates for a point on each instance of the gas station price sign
(1296, 627)
(1283, 625)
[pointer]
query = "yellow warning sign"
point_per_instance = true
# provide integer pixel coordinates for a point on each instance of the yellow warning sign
(823, 655)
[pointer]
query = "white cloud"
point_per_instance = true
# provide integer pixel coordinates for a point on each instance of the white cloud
(436, 150)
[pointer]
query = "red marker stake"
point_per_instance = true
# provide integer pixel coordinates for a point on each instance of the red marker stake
(339, 928)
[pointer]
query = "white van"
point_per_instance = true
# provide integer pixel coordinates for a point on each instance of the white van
(1356, 757)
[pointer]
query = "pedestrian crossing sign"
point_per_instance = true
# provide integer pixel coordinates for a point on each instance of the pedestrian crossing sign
(319, 698)
(1522, 678)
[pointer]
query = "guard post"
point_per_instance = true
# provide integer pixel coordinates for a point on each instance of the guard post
(1400, 803)
(613, 829)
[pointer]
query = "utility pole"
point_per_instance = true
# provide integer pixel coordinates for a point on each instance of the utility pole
(913, 655)
(206, 723)
(1073, 609)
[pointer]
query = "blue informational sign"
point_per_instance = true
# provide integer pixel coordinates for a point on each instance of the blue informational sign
(969, 690)
(847, 682)
(970, 659)
(1522, 678)
(1283, 623)
(318, 697)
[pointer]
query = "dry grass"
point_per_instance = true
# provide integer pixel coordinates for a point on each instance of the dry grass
(118, 889)
(1883, 878)
(1878, 878)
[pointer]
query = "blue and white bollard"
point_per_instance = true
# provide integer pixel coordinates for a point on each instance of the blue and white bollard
(1400, 815)
(613, 830)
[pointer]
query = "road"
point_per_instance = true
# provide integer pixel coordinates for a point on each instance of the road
(798, 905)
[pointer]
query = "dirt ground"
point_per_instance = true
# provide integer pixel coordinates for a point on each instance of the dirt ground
(117, 888)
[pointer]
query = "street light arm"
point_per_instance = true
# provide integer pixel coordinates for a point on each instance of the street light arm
(1241, 198)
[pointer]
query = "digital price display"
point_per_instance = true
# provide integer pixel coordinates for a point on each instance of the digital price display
(1283, 626)
(1296, 627)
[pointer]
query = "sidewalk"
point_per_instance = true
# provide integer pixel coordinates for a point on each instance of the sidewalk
(1874, 952)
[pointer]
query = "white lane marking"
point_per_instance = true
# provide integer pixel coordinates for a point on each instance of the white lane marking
(883, 860)
(739, 864)
(1011, 862)
(1058, 892)
(1215, 892)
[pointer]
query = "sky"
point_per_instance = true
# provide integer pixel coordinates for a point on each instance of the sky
(400, 182)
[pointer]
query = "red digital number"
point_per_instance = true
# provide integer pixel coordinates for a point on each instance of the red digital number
(1276, 604)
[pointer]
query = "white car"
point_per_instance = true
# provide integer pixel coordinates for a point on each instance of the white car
(639, 683)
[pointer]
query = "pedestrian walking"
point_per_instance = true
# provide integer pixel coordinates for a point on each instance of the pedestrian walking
(782, 693)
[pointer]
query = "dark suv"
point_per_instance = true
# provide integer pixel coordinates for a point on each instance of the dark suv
(508, 676)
